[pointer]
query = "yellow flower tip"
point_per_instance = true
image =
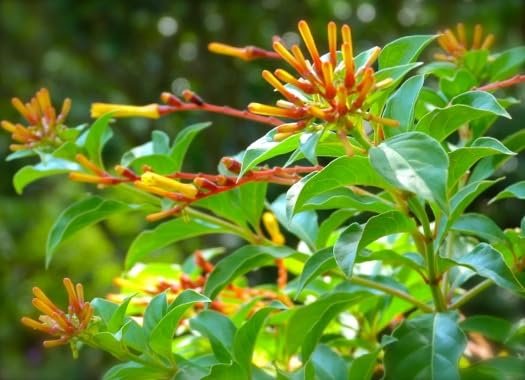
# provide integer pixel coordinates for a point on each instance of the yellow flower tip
(488, 42)
(332, 42)
(55, 342)
(272, 226)
(309, 41)
(155, 217)
(154, 179)
(121, 110)
(476, 39)
(8, 126)
(224, 49)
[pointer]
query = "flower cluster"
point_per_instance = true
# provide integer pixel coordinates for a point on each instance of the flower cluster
(329, 88)
(45, 128)
(63, 325)
(456, 45)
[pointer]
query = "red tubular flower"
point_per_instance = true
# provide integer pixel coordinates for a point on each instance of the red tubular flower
(63, 325)
(329, 88)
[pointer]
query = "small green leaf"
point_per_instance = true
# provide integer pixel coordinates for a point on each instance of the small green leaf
(356, 237)
(401, 105)
(49, 166)
(219, 330)
(167, 233)
(516, 190)
(363, 366)
(96, 137)
(308, 145)
(251, 198)
(463, 158)
(479, 225)
(266, 148)
(104, 309)
(494, 328)
(414, 162)
(489, 263)
(162, 329)
(225, 372)
(182, 142)
(481, 100)
(426, 347)
(155, 311)
(343, 171)
(460, 82)
(403, 50)
(241, 261)
(330, 365)
(117, 319)
(331, 223)
(79, 215)
(134, 371)
(507, 63)
(316, 264)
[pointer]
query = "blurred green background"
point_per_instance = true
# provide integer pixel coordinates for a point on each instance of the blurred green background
(130, 51)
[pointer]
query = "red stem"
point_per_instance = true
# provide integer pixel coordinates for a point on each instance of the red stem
(519, 78)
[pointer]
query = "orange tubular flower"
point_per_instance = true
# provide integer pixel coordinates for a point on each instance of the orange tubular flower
(456, 45)
(329, 88)
(45, 128)
(65, 326)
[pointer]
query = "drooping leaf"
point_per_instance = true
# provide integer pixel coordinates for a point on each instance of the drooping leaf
(426, 347)
(356, 237)
(182, 142)
(414, 162)
(401, 105)
(167, 233)
(316, 264)
(79, 215)
(343, 171)
(49, 166)
(219, 330)
(516, 190)
(241, 261)
(403, 50)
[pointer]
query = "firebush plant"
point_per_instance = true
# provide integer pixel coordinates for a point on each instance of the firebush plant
(377, 156)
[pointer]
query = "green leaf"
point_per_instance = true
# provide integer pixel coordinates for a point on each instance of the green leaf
(79, 215)
(118, 318)
(507, 63)
(308, 145)
(307, 323)
(104, 309)
(496, 329)
(414, 162)
(182, 142)
(329, 365)
(303, 225)
(463, 158)
(134, 371)
(363, 366)
(516, 190)
(426, 347)
(356, 237)
(167, 233)
(502, 368)
(488, 262)
(225, 372)
(479, 225)
(241, 261)
(96, 137)
(343, 197)
(251, 198)
(163, 328)
(49, 166)
(343, 171)
(266, 148)
(401, 105)
(156, 309)
(460, 82)
(245, 338)
(316, 264)
(219, 330)
(331, 223)
(403, 50)
(464, 108)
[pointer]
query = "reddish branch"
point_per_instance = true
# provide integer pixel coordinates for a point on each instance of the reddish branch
(519, 78)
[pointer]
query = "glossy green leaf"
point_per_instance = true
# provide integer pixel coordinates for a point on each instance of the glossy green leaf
(266, 148)
(464, 108)
(516, 190)
(79, 215)
(403, 50)
(363, 366)
(463, 158)
(316, 264)
(414, 162)
(117, 319)
(479, 225)
(460, 82)
(225, 372)
(308, 145)
(241, 261)
(155, 311)
(167, 233)
(307, 323)
(162, 329)
(507, 63)
(331, 223)
(343, 171)
(219, 330)
(488, 262)
(104, 309)
(134, 371)
(48, 167)
(343, 197)
(356, 237)
(251, 197)
(401, 105)
(426, 347)
(245, 338)
(329, 365)
(182, 142)
(96, 137)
